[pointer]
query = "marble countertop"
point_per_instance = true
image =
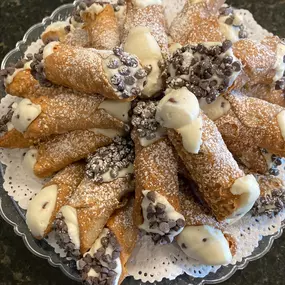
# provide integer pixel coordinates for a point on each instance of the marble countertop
(17, 264)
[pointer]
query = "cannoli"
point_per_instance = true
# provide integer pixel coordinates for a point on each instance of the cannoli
(61, 150)
(157, 209)
(86, 12)
(203, 238)
(108, 256)
(252, 122)
(56, 114)
(205, 155)
(102, 28)
(207, 70)
(108, 179)
(55, 194)
(148, 14)
(197, 22)
(113, 74)
(272, 196)
(263, 62)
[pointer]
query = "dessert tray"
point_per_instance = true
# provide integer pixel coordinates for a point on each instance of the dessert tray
(158, 255)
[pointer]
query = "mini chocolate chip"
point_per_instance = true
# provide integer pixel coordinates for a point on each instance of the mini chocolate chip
(67, 29)
(150, 216)
(230, 20)
(19, 64)
(87, 258)
(201, 49)
(116, 79)
(136, 91)
(82, 6)
(112, 265)
(204, 239)
(124, 70)
(105, 270)
(165, 240)
(164, 227)
(153, 225)
(29, 56)
(204, 84)
(10, 70)
(117, 51)
(274, 171)
(180, 223)
(151, 196)
(130, 80)
(45, 204)
(156, 237)
(140, 74)
(280, 84)
(121, 2)
(81, 263)
(121, 86)
(278, 161)
(226, 11)
(172, 223)
(242, 34)
(116, 8)
(148, 68)
(105, 242)
(115, 255)
(151, 208)
(107, 258)
(228, 72)
(227, 44)
(183, 245)
(160, 208)
(113, 63)
(112, 273)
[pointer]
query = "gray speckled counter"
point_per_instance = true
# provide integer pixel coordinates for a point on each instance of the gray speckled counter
(19, 266)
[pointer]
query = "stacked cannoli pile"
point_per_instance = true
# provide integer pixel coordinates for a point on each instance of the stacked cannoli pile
(173, 132)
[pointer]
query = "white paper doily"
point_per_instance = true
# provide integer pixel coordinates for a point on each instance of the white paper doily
(148, 262)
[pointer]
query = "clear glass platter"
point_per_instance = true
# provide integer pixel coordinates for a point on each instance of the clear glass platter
(14, 215)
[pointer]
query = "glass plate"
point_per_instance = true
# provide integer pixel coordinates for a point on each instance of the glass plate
(14, 215)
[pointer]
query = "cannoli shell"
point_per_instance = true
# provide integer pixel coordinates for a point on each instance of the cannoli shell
(95, 203)
(67, 181)
(156, 169)
(122, 225)
(62, 150)
(15, 139)
(69, 111)
(103, 31)
(213, 169)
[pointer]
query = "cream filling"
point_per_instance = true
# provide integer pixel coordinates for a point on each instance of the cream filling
(171, 214)
(281, 123)
(29, 161)
(146, 3)
(180, 110)
(109, 250)
(231, 32)
(10, 126)
(188, 56)
(93, 10)
(110, 133)
(160, 133)
(122, 173)
(49, 49)
(248, 189)
(279, 64)
(57, 26)
(9, 79)
(174, 47)
(119, 110)
(141, 42)
(40, 210)
(217, 109)
(24, 114)
(205, 244)
(70, 218)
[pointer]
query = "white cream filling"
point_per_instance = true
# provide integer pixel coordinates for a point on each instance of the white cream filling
(49, 49)
(10, 126)
(93, 10)
(281, 122)
(9, 79)
(205, 244)
(109, 250)
(24, 114)
(122, 173)
(141, 42)
(179, 110)
(29, 162)
(110, 133)
(248, 189)
(117, 109)
(171, 214)
(279, 64)
(145, 3)
(70, 218)
(40, 210)
(57, 26)
(161, 132)
(217, 109)
(174, 47)
(231, 32)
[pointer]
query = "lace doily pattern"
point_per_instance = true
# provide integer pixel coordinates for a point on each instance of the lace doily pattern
(148, 262)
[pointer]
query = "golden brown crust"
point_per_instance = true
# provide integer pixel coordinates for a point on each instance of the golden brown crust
(95, 203)
(258, 59)
(62, 150)
(197, 23)
(80, 69)
(205, 169)
(15, 139)
(122, 225)
(68, 111)
(103, 30)
(67, 181)
(155, 170)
